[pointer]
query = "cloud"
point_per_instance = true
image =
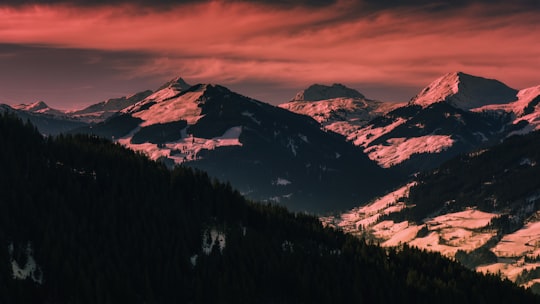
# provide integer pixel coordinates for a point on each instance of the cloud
(400, 43)
(165, 4)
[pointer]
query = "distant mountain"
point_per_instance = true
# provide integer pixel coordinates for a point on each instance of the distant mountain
(525, 111)
(337, 108)
(455, 114)
(481, 208)
(464, 92)
(39, 107)
(210, 127)
(267, 152)
(100, 111)
(318, 92)
(83, 220)
(53, 121)
(48, 120)
(94, 113)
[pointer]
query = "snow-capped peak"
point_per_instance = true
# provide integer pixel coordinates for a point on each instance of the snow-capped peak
(166, 106)
(38, 107)
(465, 91)
(176, 83)
(170, 89)
(322, 92)
(33, 107)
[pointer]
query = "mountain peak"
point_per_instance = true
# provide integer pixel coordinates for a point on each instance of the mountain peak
(33, 107)
(317, 92)
(176, 83)
(464, 91)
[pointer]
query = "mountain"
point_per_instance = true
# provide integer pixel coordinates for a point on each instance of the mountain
(266, 152)
(39, 107)
(525, 110)
(83, 220)
(464, 92)
(337, 108)
(63, 121)
(53, 121)
(455, 114)
(481, 208)
(100, 111)
(318, 92)
(48, 120)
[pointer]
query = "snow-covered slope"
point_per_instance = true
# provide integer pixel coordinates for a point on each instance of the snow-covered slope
(455, 114)
(467, 231)
(465, 92)
(329, 111)
(483, 209)
(337, 108)
(267, 152)
(443, 120)
(100, 111)
(525, 110)
(48, 120)
(39, 107)
(527, 100)
(163, 107)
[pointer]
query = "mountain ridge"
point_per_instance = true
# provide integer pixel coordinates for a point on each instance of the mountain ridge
(454, 114)
(211, 128)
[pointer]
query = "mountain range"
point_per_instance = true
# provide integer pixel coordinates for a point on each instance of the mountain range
(271, 154)
(266, 152)
(455, 114)
(452, 170)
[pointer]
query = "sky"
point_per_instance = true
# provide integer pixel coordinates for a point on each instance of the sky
(71, 54)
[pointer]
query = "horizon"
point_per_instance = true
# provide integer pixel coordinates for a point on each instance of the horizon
(288, 94)
(288, 99)
(74, 55)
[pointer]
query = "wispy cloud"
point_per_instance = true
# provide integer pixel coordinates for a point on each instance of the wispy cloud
(346, 41)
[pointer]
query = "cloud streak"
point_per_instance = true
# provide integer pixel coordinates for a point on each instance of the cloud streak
(346, 41)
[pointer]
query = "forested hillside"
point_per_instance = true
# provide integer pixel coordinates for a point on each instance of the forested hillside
(83, 220)
(503, 178)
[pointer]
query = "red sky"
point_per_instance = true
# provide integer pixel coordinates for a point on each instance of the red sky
(74, 55)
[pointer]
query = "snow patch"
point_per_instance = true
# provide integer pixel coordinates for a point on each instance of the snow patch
(468, 219)
(281, 182)
(401, 233)
(366, 136)
(361, 218)
(193, 260)
(29, 270)
(185, 149)
(397, 150)
(524, 241)
(213, 237)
